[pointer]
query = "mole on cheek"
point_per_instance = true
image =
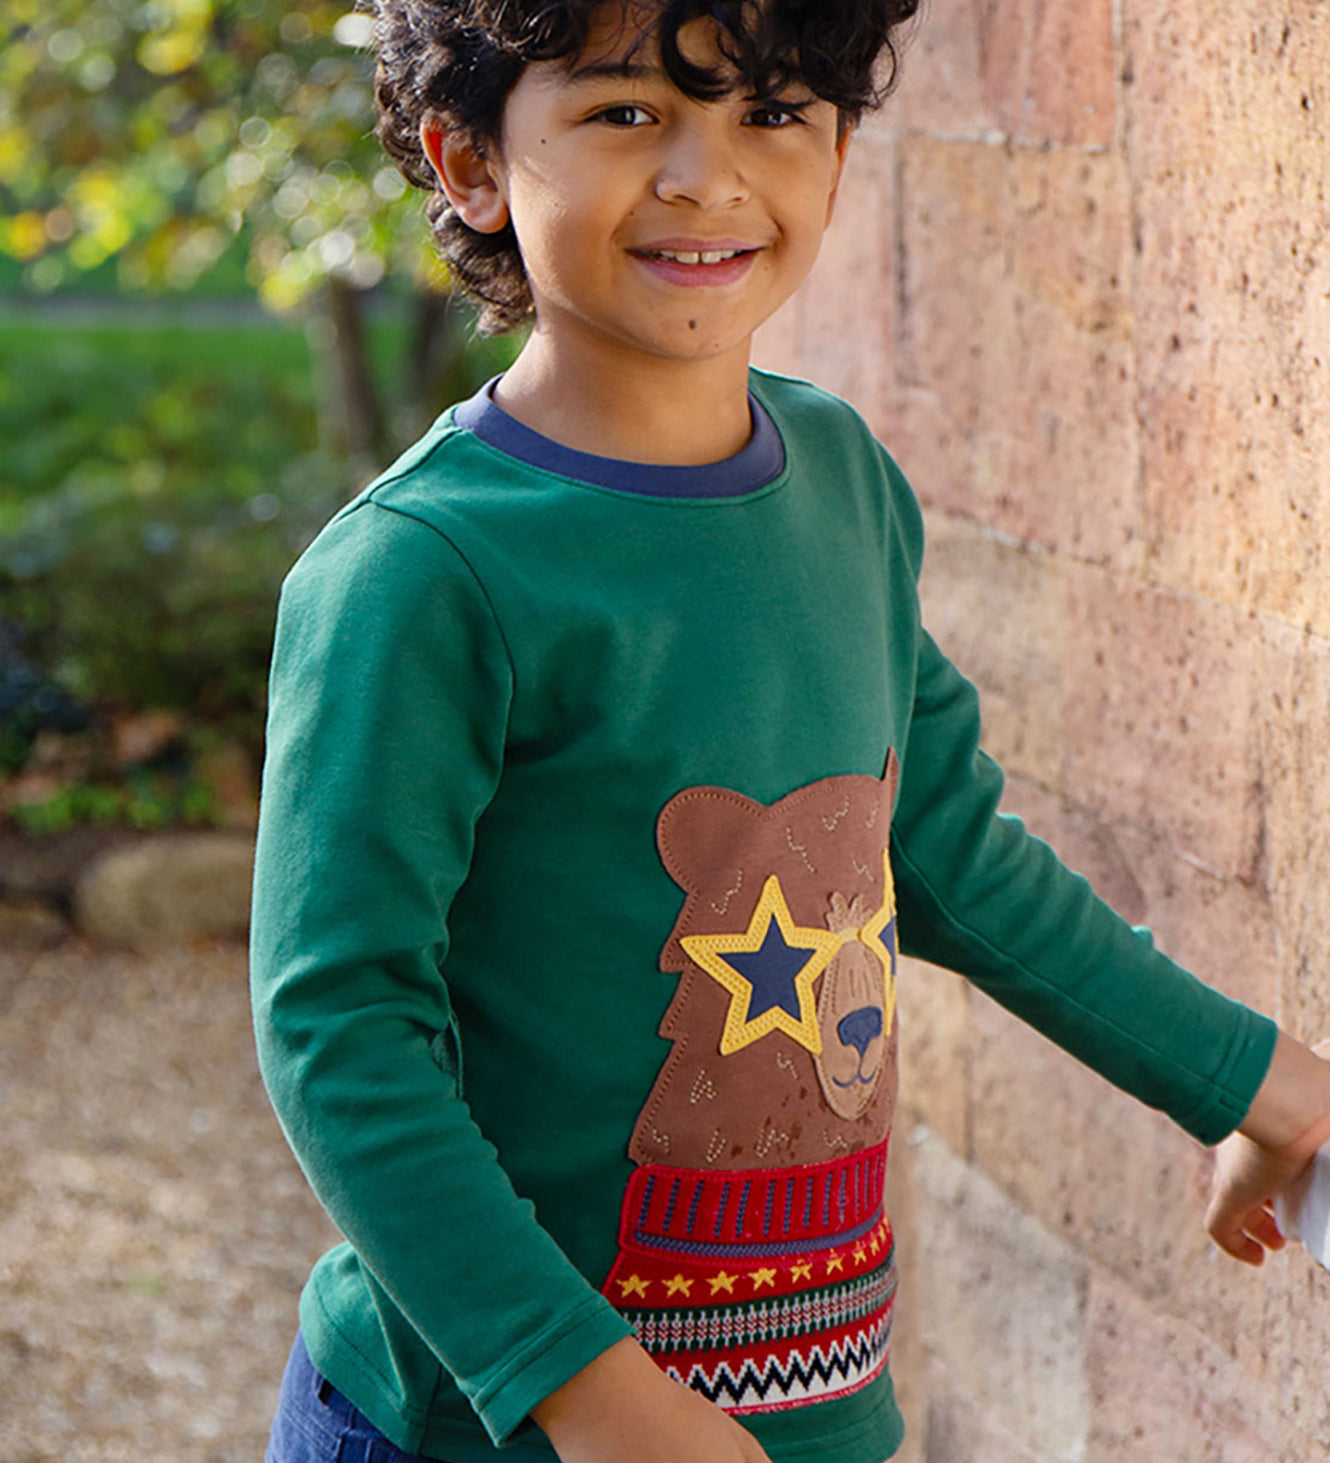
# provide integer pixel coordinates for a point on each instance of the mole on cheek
(692, 325)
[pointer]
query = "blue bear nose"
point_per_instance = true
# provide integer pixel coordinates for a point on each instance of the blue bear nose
(860, 1027)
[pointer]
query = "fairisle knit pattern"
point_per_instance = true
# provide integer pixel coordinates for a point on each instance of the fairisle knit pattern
(793, 1268)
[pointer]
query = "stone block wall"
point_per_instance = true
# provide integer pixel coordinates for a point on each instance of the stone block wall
(1079, 283)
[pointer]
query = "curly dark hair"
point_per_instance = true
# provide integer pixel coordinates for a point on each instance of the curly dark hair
(457, 60)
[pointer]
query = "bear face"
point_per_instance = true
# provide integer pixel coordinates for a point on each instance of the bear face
(783, 1029)
(851, 1015)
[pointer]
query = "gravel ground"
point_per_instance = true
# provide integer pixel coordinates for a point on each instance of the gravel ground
(154, 1229)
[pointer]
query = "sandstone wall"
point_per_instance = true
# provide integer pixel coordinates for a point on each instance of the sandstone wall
(1079, 282)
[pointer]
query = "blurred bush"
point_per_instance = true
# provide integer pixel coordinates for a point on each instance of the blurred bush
(148, 511)
(155, 487)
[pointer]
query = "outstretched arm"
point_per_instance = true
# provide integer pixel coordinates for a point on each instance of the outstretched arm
(1288, 1121)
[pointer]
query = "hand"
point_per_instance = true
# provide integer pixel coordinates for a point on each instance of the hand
(1250, 1171)
(624, 1409)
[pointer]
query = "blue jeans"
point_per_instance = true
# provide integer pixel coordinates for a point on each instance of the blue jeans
(316, 1424)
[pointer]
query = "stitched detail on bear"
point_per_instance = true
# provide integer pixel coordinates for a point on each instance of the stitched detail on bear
(831, 823)
(723, 906)
(801, 849)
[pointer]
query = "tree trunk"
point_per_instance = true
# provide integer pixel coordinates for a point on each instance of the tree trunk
(352, 415)
(434, 368)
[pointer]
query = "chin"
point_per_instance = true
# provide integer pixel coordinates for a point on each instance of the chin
(696, 345)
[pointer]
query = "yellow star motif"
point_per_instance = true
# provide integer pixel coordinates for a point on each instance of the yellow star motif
(874, 1244)
(860, 1254)
(678, 1284)
(835, 1262)
(802, 1271)
(762, 1277)
(634, 1285)
(722, 1282)
(709, 951)
(870, 935)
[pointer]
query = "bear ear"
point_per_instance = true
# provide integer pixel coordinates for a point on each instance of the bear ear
(891, 777)
(701, 833)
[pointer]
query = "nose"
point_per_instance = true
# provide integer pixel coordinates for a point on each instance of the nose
(860, 1027)
(700, 166)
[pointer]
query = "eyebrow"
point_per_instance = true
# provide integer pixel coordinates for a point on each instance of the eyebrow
(630, 70)
(625, 70)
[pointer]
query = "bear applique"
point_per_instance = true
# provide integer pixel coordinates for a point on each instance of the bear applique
(755, 1257)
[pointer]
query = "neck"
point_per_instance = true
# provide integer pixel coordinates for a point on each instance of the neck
(649, 409)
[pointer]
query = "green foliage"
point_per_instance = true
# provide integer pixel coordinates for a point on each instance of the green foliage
(151, 131)
(141, 801)
(149, 508)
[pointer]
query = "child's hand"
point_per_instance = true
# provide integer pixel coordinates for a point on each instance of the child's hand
(624, 1409)
(1251, 1170)
(1241, 1218)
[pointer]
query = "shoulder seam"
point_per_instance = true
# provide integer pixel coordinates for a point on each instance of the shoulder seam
(390, 476)
(370, 501)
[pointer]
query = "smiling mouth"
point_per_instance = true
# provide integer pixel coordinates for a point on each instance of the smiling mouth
(693, 256)
(865, 1079)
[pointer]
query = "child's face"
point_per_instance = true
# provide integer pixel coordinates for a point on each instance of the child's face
(616, 183)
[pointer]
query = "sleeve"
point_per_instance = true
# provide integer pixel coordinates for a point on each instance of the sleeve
(390, 688)
(980, 895)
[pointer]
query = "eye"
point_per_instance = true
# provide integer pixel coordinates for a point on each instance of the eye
(774, 115)
(624, 114)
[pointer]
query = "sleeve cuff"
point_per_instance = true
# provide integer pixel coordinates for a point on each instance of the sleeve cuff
(1237, 1085)
(551, 1359)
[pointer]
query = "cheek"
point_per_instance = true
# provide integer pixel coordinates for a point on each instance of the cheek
(542, 213)
(562, 239)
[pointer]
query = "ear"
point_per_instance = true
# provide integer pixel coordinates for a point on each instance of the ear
(473, 184)
(702, 831)
(842, 147)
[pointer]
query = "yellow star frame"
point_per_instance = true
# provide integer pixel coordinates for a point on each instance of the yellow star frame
(870, 935)
(709, 951)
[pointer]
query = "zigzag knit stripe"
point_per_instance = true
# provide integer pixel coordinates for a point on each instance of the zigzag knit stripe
(770, 1383)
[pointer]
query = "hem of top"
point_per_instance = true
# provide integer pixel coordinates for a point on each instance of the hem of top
(1238, 1047)
(886, 1409)
(408, 1426)
(400, 1422)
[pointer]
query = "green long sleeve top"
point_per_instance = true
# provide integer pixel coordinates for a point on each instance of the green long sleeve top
(576, 921)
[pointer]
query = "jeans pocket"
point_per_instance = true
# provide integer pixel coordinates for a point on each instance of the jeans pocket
(304, 1429)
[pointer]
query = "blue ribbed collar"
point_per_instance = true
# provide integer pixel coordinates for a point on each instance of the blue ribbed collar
(758, 463)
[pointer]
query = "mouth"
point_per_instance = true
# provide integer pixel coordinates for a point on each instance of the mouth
(693, 256)
(727, 262)
(860, 1079)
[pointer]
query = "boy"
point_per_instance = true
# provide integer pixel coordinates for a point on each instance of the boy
(607, 758)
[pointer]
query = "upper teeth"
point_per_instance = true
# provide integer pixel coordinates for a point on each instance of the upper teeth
(693, 256)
